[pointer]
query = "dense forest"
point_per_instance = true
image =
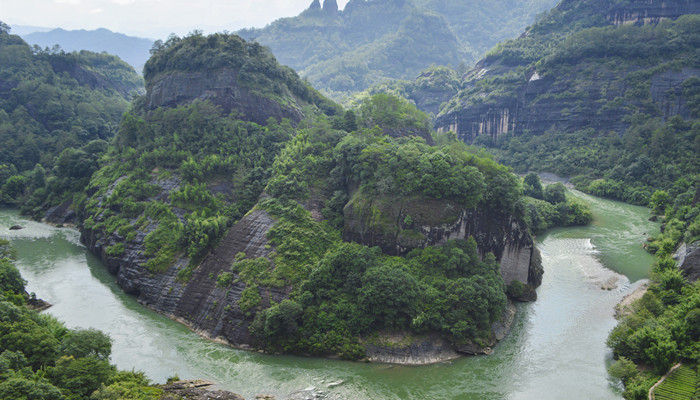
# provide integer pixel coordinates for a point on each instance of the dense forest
(58, 111)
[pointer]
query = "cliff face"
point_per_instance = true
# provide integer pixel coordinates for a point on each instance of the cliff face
(650, 11)
(559, 102)
(399, 225)
(199, 303)
(220, 87)
(571, 88)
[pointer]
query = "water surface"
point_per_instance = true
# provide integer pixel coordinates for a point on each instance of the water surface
(556, 349)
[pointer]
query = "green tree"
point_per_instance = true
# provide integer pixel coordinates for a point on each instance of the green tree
(555, 193)
(532, 186)
(86, 343)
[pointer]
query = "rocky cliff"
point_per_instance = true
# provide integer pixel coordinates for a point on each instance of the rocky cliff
(223, 89)
(541, 82)
(198, 302)
(174, 217)
(400, 225)
(650, 11)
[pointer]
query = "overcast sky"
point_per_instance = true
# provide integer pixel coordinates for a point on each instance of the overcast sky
(153, 19)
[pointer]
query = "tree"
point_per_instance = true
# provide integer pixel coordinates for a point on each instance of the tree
(389, 294)
(659, 201)
(86, 343)
(623, 369)
(555, 193)
(532, 186)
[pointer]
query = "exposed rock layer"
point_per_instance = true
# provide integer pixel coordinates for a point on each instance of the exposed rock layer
(383, 223)
(220, 87)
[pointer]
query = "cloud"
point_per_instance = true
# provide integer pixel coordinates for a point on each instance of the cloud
(70, 2)
(123, 2)
(96, 11)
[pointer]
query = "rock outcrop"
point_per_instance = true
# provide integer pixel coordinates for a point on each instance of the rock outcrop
(688, 258)
(531, 99)
(555, 102)
(199, 303)
(642, 12)
(399, 225)
(221, 88)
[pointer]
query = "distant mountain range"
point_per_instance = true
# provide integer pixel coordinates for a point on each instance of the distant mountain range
(369, 42)
(133, 50)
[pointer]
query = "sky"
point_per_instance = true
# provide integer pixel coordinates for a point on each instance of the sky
(153, 19)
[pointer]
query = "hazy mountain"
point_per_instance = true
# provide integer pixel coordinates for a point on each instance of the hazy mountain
(368, 42)
(133, 50)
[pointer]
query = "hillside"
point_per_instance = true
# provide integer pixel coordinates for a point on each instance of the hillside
(368, 42)
(295, 234)
(606, 93)
(57, 110)
(599, 90)
(133, 50)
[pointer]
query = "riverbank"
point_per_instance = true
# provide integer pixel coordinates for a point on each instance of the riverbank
(556, 346)
(625, 306)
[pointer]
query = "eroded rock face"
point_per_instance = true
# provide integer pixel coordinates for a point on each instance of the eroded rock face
(220, 87)
(642, 12)
(688, 257)
(537, 101)
(541, 104)
(398, 226)
(199, 303)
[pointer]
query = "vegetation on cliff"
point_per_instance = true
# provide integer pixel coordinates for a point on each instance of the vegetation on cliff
(616, 105)
(343, 291)
(57, 112)
(42, 359)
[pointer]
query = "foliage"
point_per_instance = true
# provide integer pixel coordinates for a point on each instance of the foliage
(42, 359)
(202, 147)
(557, 210)
(52, 106)
(344, 291)
(661, 330)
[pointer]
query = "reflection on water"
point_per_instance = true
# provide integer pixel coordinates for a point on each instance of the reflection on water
(556, 349)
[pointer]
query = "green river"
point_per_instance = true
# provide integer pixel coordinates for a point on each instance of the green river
(556, 349)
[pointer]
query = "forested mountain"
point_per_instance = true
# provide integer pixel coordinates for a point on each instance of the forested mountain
(57, 112)
(606, 92)
(372, 41)
(294, 226)
(602, 90)
(133, 50)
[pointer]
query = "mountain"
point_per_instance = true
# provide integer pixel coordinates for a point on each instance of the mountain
(607, 93)
(237, 199)
(368, 42)
(133, 50)
(57, 110)
(597, 89)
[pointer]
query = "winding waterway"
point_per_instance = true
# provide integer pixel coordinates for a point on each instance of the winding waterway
(556, 349)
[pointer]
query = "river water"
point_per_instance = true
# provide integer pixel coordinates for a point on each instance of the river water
(556, 349)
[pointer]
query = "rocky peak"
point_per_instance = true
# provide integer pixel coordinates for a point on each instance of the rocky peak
(330, 7)
(315, 5)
